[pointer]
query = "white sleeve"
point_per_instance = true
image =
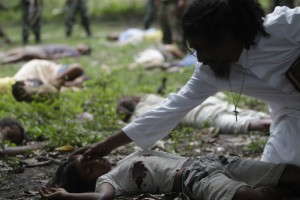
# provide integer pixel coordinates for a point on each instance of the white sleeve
(157, 123)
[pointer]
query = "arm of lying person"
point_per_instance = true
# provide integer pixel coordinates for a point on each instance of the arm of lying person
(105, 191)
(75, 83)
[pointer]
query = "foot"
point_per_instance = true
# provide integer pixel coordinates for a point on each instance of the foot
(259, 125)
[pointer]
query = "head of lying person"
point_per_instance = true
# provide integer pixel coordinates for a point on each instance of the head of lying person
(12, 131)
(33, 90)
(79, 174)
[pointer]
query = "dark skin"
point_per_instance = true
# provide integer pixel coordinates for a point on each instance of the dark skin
(218, 56)
(105, 147)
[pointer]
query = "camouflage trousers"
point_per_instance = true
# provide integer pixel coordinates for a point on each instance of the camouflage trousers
(72, 7)
(32, 19)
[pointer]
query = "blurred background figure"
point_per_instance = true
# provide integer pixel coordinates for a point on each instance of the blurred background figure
(170, 13)
(4, 36)
(32, 19)
(72, 7)
(2, 33)
(150, 13)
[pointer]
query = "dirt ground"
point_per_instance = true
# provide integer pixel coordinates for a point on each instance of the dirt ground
(22, 176)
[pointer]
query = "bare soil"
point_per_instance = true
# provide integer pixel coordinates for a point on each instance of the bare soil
(22, 176)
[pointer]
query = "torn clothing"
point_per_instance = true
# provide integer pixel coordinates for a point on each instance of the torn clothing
(144, 171)
(209, 177)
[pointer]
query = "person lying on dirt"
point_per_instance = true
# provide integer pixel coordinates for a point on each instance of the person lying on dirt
(42, 77)
(50, 51)
(215, 112)
(209, 177)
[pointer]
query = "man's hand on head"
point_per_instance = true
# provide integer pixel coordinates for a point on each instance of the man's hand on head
(97, 149)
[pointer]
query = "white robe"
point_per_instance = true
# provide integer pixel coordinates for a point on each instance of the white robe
(263, 67)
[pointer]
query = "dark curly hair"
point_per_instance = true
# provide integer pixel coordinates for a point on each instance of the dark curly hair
(68, 177)
(19, 92)
(18, 130)
(213, 20)
(126, 107)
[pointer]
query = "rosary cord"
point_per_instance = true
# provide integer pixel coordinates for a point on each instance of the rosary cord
(235, 103)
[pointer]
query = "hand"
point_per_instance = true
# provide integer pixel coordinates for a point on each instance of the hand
(260, 125)
(98, 149)
(94, 150)
(53, 193)
(81, 150)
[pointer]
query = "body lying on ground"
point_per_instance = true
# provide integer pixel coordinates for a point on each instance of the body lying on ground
(209, 177)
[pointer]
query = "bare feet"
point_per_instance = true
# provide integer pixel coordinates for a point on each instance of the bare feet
(260, 125)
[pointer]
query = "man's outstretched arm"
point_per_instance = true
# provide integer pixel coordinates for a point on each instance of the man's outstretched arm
(103, 148)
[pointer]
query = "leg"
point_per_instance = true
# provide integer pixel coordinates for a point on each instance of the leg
(150, 12)
(36, 19)
(291, 179)
(262, 193)
(25, 53)
(208, 179)
(70, 10)
(26, 22)
(36, 26)
(71, 76)
(13, 56)
(4, 36)
(85, 21)
(37, 30)
(73, 72)
(260, 124)
(164, 9)
(281, 179)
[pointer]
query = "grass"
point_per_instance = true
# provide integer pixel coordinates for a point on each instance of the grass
(109, 79)
(54, 10)
(57, 120)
